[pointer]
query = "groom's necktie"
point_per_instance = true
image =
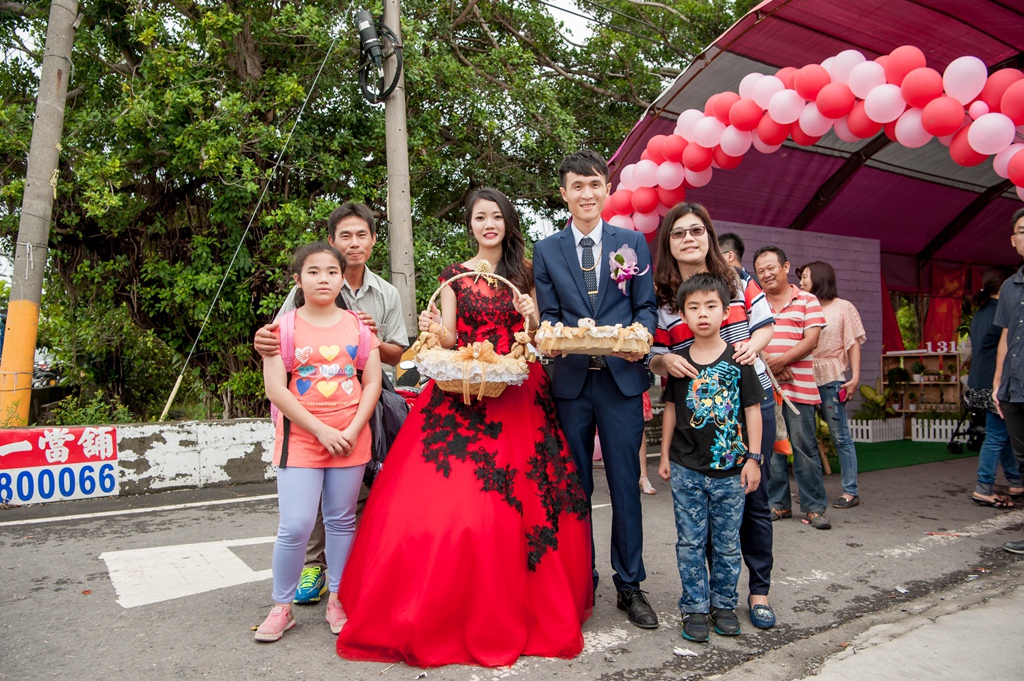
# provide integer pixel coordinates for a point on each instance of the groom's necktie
(589, 270)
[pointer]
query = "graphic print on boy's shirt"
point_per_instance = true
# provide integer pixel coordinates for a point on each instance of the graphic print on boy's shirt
(714, 396)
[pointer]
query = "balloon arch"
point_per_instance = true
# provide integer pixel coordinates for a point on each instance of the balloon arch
(975, 114)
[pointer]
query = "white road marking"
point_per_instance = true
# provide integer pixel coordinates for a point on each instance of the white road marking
(162, 573)
(133, 511)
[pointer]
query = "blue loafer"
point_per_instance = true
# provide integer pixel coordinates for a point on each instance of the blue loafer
(761, 616)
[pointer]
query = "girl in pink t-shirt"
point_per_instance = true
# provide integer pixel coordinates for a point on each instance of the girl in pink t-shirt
(322, 440)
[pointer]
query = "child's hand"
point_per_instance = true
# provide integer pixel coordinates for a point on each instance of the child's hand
(665, 469)
(750, 476)
(350, 435)
(334, 441)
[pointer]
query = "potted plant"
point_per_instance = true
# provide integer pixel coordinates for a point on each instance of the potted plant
(912, 401)
(897, 376)
(917, 368)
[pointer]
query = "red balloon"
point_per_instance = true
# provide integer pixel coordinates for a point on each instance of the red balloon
(835, 100)
(890, 130)
(942, 116)
(745, 114)
(709, 106)
(771, 132)
(921, 86)
(786, 74)
(801, 137)
(671, 197)
(723, 104)
(672, 148)
(645, 155)
(882, 59)
(655, 152)
(697, 158)
(644, 200)
(902, 61)
(995, 86)
(608, 213)
(725, 161)
(1015, 169)
(1012, 102)
(859, 123)
(962, 153)
(809, 80)
(622, 201)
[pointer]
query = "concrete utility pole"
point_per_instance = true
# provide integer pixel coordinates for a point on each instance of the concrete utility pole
(403, 274)
(36, 211)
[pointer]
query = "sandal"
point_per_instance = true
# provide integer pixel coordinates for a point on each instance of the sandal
(999, 501)
(645, 486)
(1016, 496)
(780, 513)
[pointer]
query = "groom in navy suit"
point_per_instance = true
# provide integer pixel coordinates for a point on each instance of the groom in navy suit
(573, 280)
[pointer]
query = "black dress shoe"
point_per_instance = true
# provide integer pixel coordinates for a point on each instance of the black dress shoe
(639, 611)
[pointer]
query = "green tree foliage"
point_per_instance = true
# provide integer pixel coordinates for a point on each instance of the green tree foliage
(178, 110)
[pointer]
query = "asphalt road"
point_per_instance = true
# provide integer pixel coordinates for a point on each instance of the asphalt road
(167, 586)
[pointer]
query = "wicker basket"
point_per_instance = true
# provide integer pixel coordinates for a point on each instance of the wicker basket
(475, 370)
(589, 339)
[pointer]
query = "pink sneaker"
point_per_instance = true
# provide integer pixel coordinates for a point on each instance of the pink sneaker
(336, 616)
(278, 621)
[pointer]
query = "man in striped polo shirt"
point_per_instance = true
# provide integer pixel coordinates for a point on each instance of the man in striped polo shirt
(798, 323)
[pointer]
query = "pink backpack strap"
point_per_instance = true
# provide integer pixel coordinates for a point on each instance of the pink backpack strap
(287, 335)
(365, 339)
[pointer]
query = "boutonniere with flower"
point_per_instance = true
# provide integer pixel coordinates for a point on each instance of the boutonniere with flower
(622, 265)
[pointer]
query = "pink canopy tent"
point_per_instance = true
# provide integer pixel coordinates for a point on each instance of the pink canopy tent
(924, 209)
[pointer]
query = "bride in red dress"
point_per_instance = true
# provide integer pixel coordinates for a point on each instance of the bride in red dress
(474, 547)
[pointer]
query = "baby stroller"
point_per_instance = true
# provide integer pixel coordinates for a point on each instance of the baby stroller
(970, 429)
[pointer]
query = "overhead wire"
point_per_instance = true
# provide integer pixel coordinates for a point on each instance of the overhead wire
(595, 20)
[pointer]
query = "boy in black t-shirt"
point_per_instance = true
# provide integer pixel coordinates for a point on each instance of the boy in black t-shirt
(703, 454)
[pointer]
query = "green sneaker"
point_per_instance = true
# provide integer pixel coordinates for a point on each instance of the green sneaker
(312, 585)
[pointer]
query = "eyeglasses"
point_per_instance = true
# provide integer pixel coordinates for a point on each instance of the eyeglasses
(680, 233)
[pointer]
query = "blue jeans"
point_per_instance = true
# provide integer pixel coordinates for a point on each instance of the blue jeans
(807, 470)
(996, 450)
(834, 412)
(698, 501)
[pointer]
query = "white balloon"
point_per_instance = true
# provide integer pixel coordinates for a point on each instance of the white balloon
(964, 79)
(865, 77)
(977, 109)
(670, 175)
(991, 133)
(698, 179)
(707, 132)
(1020, 193)
(842, 129)
(765, 88)
(746, 88)
(646, 173)
(1002, 159)
(813, 122)
(785, 106)
(843, 64)
(663, 209)
(909, 130)
(623, 221)
(627, 179)
(827, 64)
(646, 222)
(765, 148)
(885, 103)
(686, 121)
(735, 142)
(946, 140)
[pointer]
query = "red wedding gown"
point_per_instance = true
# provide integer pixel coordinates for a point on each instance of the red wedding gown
(474, 546)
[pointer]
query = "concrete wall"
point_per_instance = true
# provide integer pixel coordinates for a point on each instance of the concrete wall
(857, 263)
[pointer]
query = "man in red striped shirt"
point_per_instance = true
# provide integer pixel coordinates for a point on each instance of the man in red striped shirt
(798, 323)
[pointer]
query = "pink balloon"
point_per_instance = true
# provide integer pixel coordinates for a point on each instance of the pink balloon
(627, 179)
(909, 131)
(964, 79)
(646, 222)
(685, 123)
(1020, 193)
(977, 109)
(812, 122)
(765, 148)
(765, 89)
(746, 88)
(670, 175)
(698, 178)
(843, 131)
(708, 131)
(843, 65)
(991, 133)
(735, 142)
(885, 103)
(865, 77)
(646, 173)
(785, 106)
(623, 221)
(1002, 159)
(946, 140)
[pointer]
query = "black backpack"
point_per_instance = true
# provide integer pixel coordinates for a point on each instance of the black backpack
(387, 419)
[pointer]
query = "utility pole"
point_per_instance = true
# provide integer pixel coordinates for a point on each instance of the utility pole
(403, 274)
(36, 211)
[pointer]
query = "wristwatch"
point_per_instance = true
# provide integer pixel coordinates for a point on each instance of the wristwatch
(759, 458)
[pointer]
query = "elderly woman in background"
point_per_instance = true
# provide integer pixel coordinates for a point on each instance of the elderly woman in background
(838, 351)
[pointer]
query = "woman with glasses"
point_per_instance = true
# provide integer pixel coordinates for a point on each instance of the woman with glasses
(687, 245)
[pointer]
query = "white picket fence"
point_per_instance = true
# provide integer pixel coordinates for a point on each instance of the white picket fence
(877, 431)
(933, 430)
